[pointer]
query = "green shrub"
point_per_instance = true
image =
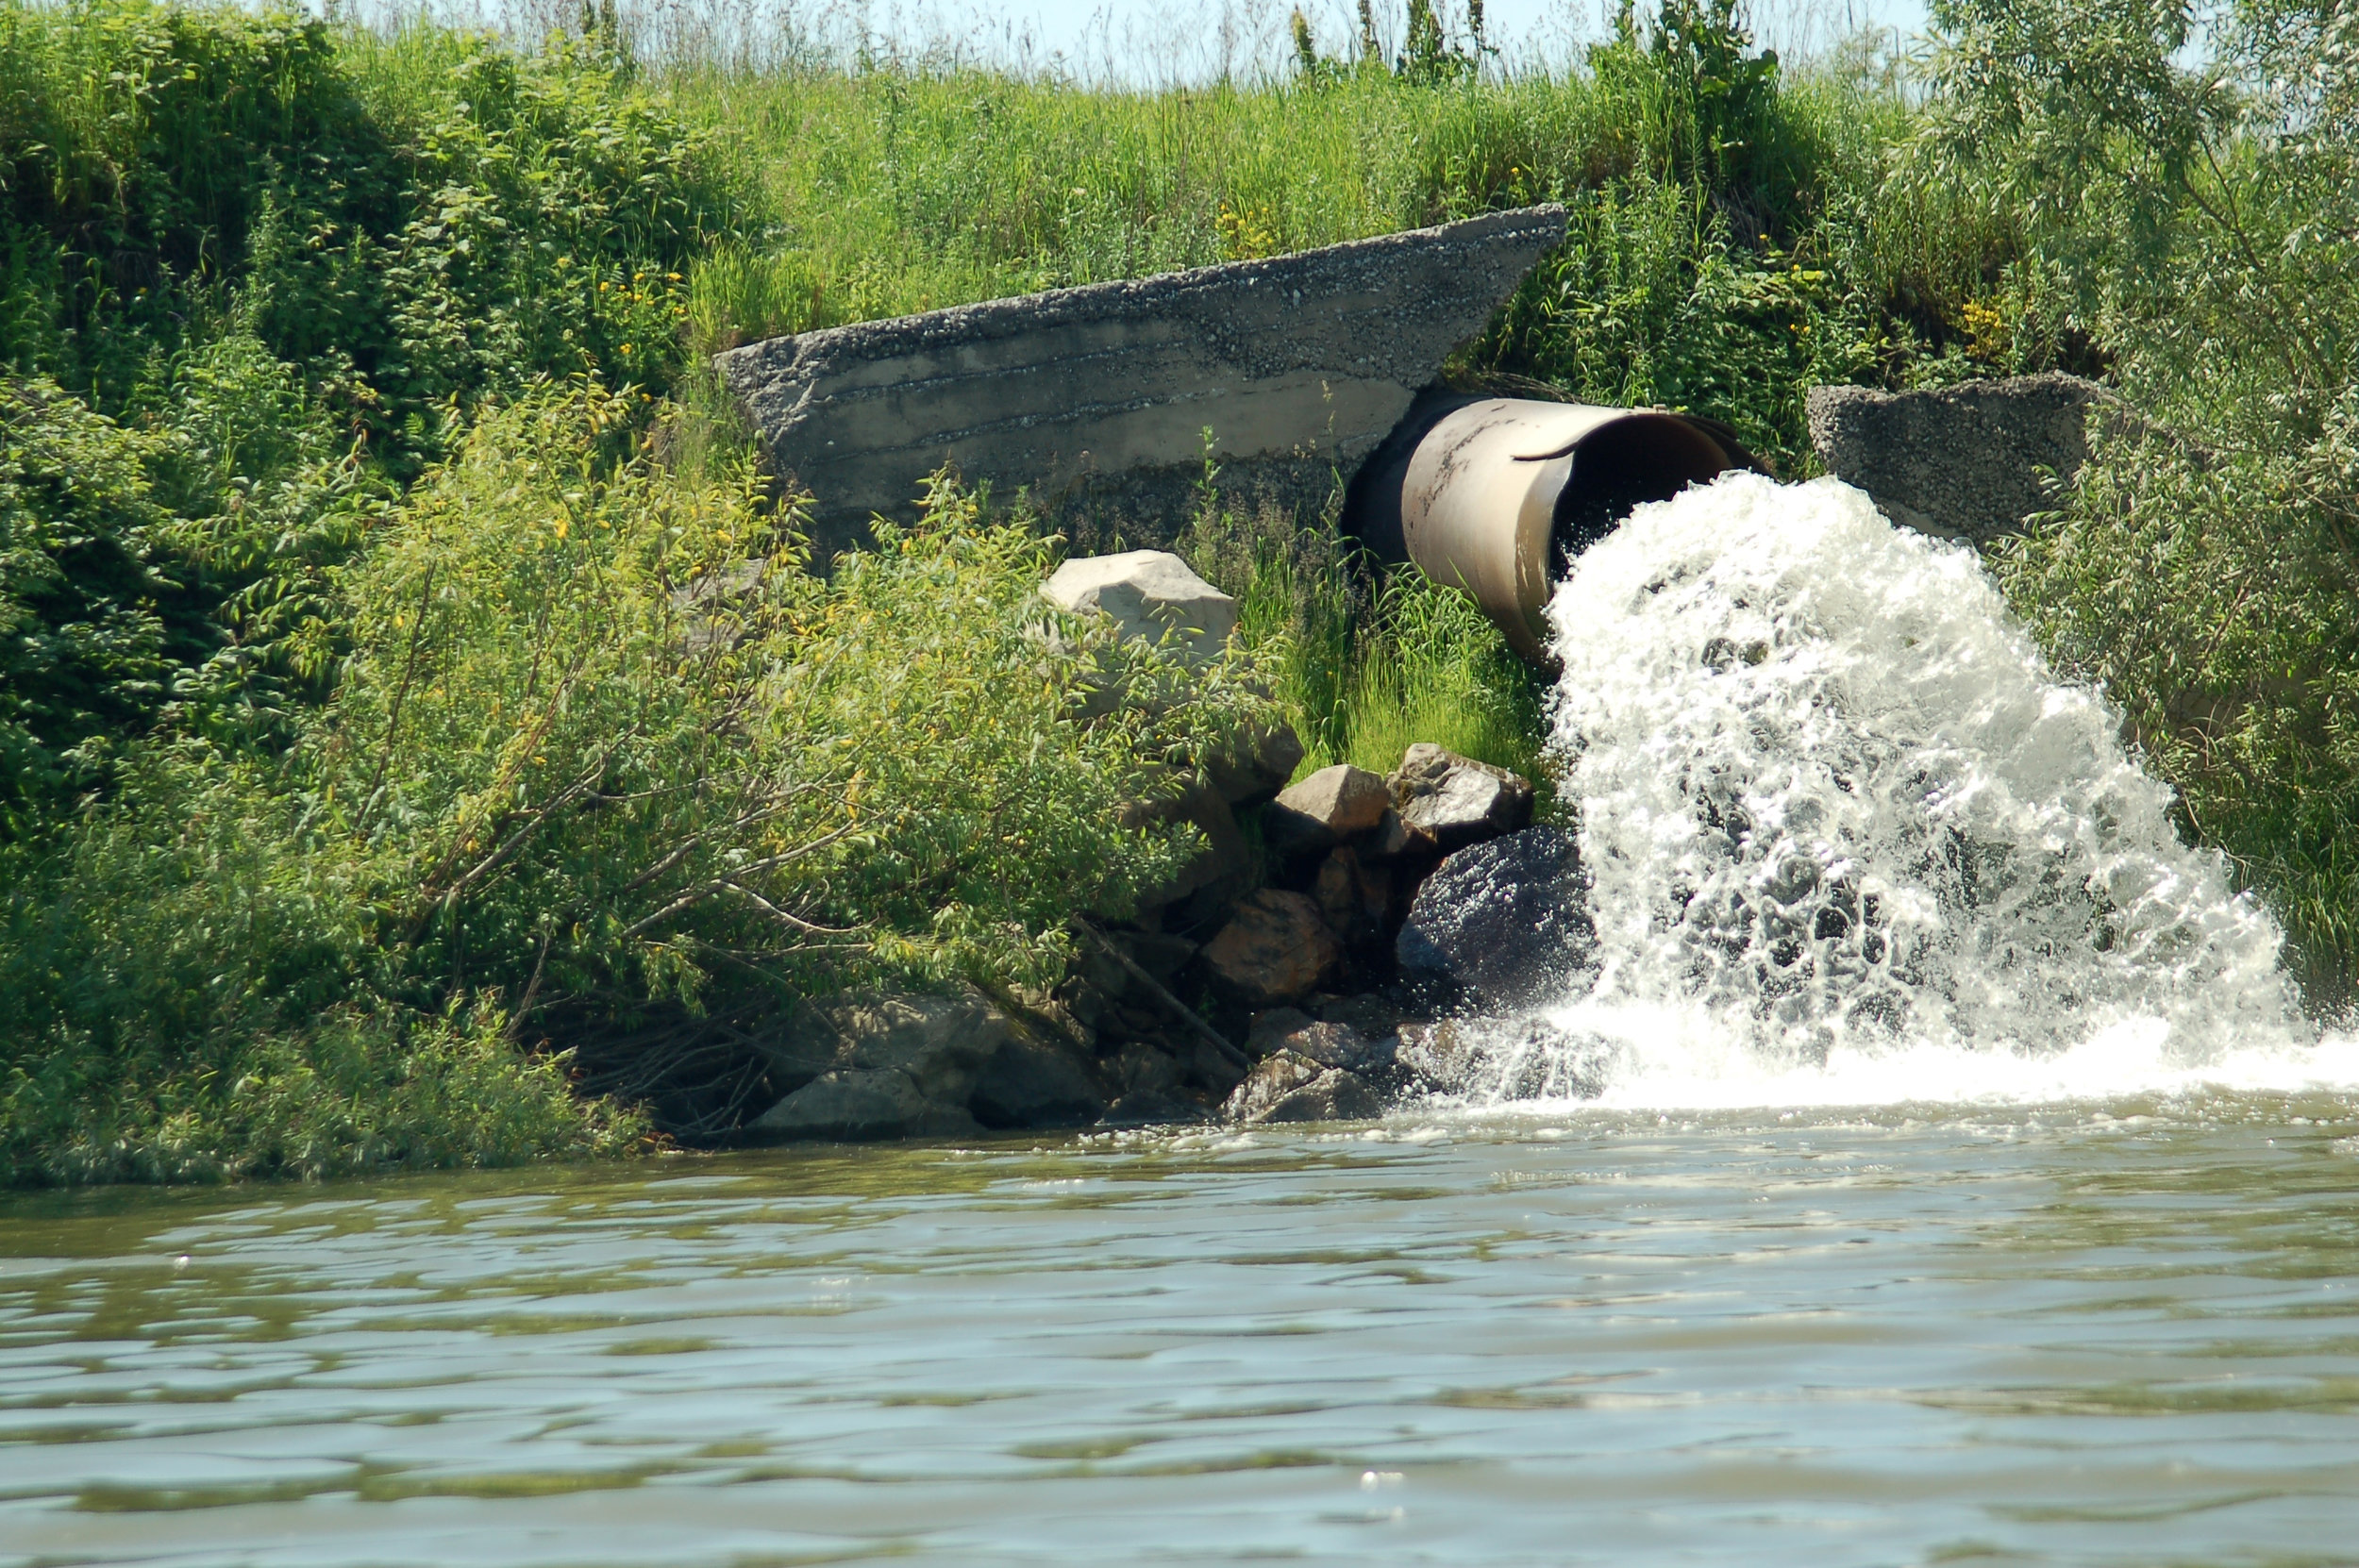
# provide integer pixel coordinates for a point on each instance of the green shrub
(82, 635)
(599, 744)
(2202, 223)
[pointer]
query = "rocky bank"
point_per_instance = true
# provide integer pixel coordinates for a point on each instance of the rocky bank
(1303, 966)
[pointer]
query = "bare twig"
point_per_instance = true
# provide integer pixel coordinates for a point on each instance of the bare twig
(797, 922)
(533, 987)
(703, 891)
(1178, 1008)
(401, 691)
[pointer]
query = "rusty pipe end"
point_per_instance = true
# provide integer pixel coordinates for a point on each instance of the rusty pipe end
(1493, 495)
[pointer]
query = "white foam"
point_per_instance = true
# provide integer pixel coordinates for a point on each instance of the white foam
(1853, 843)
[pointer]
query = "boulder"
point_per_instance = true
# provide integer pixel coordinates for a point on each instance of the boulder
(1028, 1083)
(1256, 766)
(1394, 840)
(1292, 1088)
(1148, 594)
(1332, 805)
(1505, 921)
(1274, 949)
(1456, 800)
(1354, 898)
(1961, 463)
(1098, 398)
(894, 1066)
(861, 1104)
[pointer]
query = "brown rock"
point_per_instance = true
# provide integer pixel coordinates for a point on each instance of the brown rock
(1274, 949)
(1455, 799)
(1344, 799)
(1332, 805)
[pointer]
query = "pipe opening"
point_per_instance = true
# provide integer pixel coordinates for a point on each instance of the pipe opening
(1625, 464)
(1496, 495)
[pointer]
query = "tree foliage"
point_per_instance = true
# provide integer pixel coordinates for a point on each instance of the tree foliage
(2200, 210)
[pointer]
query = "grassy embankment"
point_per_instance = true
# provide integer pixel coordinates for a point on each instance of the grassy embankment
(348, 756)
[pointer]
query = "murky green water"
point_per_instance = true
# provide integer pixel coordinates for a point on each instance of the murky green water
(2120, 1337)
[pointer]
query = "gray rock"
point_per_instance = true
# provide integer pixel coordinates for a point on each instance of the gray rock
(1506, 921)
(1097, 399)
(1257, 766)
(1292, 1088)
(883, 1067)
(862, 1104)
(1274, 949)
(1029, 1083)
(1148, 594)
(1455, 800)
(1216, 876)
(1314, 815)
(1961, 463)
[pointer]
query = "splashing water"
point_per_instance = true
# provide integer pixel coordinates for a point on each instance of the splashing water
(1852, 842)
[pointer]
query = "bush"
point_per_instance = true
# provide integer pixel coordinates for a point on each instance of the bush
(599, 745)
(2202, 223)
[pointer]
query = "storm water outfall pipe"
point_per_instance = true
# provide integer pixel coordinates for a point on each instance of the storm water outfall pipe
(1495, 496)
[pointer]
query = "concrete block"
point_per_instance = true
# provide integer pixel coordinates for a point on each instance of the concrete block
(1096, 398)
(1960, 462)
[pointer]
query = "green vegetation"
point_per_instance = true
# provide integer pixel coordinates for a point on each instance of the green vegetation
(406, 670)
(599, 746)
(2205, 224)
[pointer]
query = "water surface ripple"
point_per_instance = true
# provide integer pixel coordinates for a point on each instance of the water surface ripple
(2126, 1335)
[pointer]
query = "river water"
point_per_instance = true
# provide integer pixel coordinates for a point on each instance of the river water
(2104, 1332)
(1933, 1168)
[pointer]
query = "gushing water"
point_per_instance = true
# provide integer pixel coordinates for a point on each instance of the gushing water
(1851, 841)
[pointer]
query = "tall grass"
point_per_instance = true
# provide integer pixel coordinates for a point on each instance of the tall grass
(1366, 658)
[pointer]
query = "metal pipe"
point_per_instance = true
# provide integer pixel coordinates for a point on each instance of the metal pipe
(1495, 496)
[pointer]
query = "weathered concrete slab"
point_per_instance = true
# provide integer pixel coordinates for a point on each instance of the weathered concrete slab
(1962, 462)
(1097, 399)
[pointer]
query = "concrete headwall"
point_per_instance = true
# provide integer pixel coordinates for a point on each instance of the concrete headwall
(1096, 399)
